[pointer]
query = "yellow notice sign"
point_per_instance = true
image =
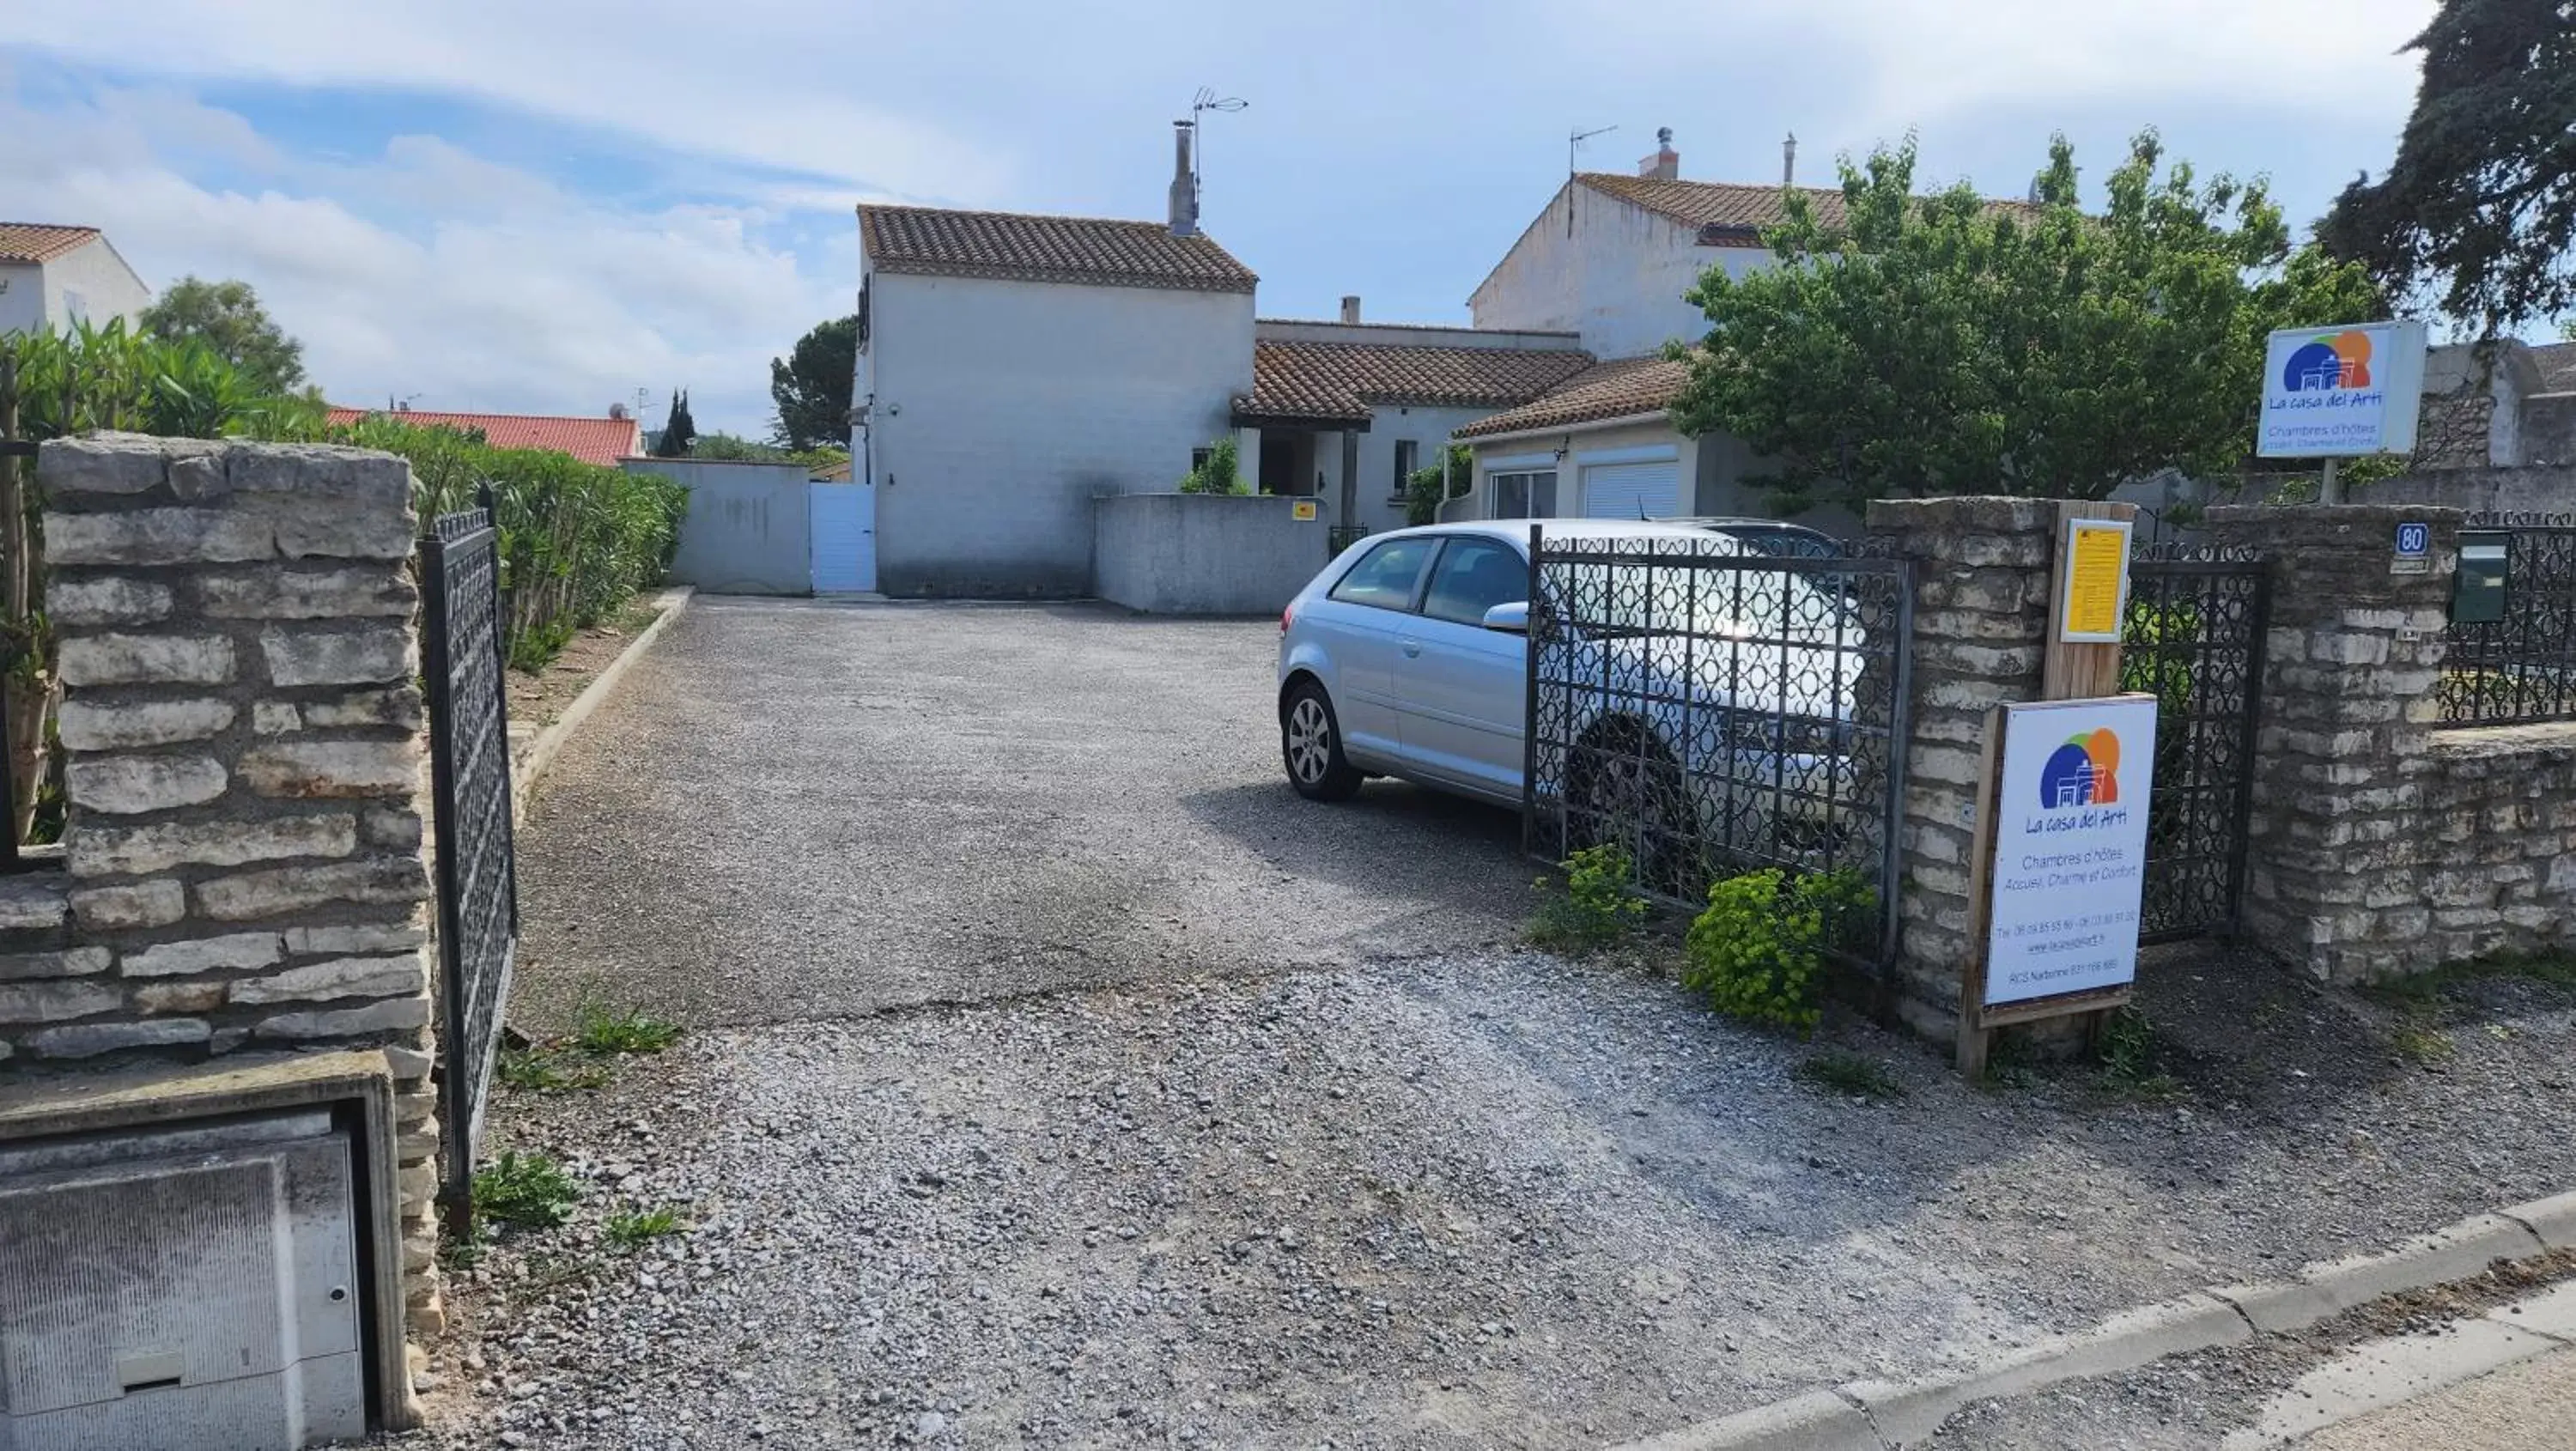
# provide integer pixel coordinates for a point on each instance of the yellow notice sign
(1303, 511)
(2097, 581)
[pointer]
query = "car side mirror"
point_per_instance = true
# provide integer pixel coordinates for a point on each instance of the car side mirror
(1512, 619)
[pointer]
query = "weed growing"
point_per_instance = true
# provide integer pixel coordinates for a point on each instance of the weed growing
(1850, 1075)
(525, 1189)
(603, 1033)
(633, 1228)
(1599, 909)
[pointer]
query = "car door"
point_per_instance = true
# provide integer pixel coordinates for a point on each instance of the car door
(1464, 689)
(1357, 623)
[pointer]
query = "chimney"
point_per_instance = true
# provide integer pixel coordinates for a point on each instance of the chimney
(1351, 308)
(1666, 163)
(1789, 162)
(1185, 187)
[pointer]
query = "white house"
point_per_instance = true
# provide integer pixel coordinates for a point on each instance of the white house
(52, 277)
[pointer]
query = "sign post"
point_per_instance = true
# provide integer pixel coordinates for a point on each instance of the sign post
(2339, 392)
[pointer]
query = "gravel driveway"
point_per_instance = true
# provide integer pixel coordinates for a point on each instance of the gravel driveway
(1128, 1182)
(798, 809)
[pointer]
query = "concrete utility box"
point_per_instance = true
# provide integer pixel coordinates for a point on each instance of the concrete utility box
(189, 1287)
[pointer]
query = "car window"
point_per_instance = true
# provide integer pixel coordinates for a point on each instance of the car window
(1384, 577)
(1473, 576)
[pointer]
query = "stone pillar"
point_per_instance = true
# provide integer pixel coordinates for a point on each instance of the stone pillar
(2339, 879)
(1981, 592)
(244, 761)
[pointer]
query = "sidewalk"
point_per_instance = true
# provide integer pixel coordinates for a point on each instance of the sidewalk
(2527, 1406)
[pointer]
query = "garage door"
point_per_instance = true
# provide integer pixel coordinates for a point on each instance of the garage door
(1632, 491)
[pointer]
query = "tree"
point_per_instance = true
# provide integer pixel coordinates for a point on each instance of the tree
(679, 431)
(1947, 344)
(2477, 214)
(811, 385)
(227, 317)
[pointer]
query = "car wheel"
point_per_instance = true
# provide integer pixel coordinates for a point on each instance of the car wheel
(1310, 741)
(1624, 789)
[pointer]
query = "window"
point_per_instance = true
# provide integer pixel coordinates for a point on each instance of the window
(1199, 458)
(1524, 495)
(1473, 576)
(1385, 576)
(1408, 455)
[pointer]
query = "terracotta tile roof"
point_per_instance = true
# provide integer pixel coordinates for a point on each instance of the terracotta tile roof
(40, 241)
(1341, 381)
(1618, 389)
(1730, 213)
(592, 440)
(1045, 249)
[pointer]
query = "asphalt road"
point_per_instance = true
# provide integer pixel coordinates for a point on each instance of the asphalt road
(799, 809)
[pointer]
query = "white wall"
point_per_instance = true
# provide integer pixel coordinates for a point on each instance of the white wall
(1381, 500)
(1516, 455)
(99, 281)
(22, 297)
(998, 410)
(1618, 280)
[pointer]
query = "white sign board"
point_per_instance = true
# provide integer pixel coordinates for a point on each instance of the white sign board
(2070, 847)
(2342, 391)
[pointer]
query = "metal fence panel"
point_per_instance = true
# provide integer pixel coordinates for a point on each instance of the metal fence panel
(2193, 638)
(1714, 711)
(2521, 668)
(477, 878)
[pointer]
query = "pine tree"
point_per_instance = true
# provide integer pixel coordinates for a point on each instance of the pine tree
(679, 432)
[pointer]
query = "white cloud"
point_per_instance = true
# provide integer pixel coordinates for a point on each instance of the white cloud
(518, 297)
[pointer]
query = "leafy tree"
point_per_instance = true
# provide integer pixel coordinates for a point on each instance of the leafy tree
(679, 431)
(1947, 344)
(811, 385)
(2477, 214)
(1218, 473)
(1428, 487)
(226, 316)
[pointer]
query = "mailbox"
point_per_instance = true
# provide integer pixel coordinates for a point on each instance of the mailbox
(2477, 591)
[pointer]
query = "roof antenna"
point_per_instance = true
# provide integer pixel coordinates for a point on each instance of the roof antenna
(1574, 140)
(1206, 100)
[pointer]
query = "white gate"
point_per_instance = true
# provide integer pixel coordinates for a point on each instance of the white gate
(843, 526)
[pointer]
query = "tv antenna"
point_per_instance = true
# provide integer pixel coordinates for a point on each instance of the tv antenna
(1574, 143)
(1206, 100)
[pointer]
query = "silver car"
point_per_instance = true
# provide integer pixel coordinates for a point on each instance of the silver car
(1408, 656)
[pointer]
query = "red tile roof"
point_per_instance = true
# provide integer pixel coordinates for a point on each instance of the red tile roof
(1621, 389)
(592, 440)
(1325, 382)
(41, 241)
(1731, 213)
(1045, 249)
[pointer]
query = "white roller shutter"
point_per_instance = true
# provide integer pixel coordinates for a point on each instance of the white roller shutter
(1632, 491)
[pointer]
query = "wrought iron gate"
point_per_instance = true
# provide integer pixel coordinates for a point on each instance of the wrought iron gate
(1714, 712)
(2194, 639)
(478, 884)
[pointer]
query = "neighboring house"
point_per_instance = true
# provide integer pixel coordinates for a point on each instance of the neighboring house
(602, 440)
(1346, 410)
(1011, 368)
(1610, 259)
(2497, 431)
(53, 277)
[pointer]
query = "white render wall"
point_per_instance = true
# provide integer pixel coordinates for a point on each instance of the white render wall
(998, 410)
(106, 287)
(22, 297)
(1618, 280)
(1381, 501)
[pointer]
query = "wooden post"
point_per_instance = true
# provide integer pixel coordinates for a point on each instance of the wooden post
(1975, 1038)
(2071, 670)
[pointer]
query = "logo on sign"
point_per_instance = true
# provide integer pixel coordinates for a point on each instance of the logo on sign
(2083, 772)
(2333, 361)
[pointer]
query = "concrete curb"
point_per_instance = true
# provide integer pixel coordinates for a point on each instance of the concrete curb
(526, 768)
(1877, 1415)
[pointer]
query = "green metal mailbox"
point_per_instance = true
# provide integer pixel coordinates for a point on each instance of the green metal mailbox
(2477, 591)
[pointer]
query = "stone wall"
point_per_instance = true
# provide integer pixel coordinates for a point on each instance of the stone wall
(2381, 843)
(242, 869)
(1981, 593)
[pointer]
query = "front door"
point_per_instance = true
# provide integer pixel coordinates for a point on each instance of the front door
(1465, 689)
(842, 528)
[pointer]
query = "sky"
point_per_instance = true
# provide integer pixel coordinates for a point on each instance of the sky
(551, 205)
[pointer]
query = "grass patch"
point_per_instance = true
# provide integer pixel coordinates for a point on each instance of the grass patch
(633, 1228)
(604, 1033)
(525, 1189)
(1599, 908)
(2131, 1058)
(2421, 1044)
(544, 1070)
(1852, 1075)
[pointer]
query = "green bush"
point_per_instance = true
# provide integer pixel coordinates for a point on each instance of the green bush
(1600, 904)
(1426, 489)
(577, 539)
(1757, 951)
(1220, 474)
